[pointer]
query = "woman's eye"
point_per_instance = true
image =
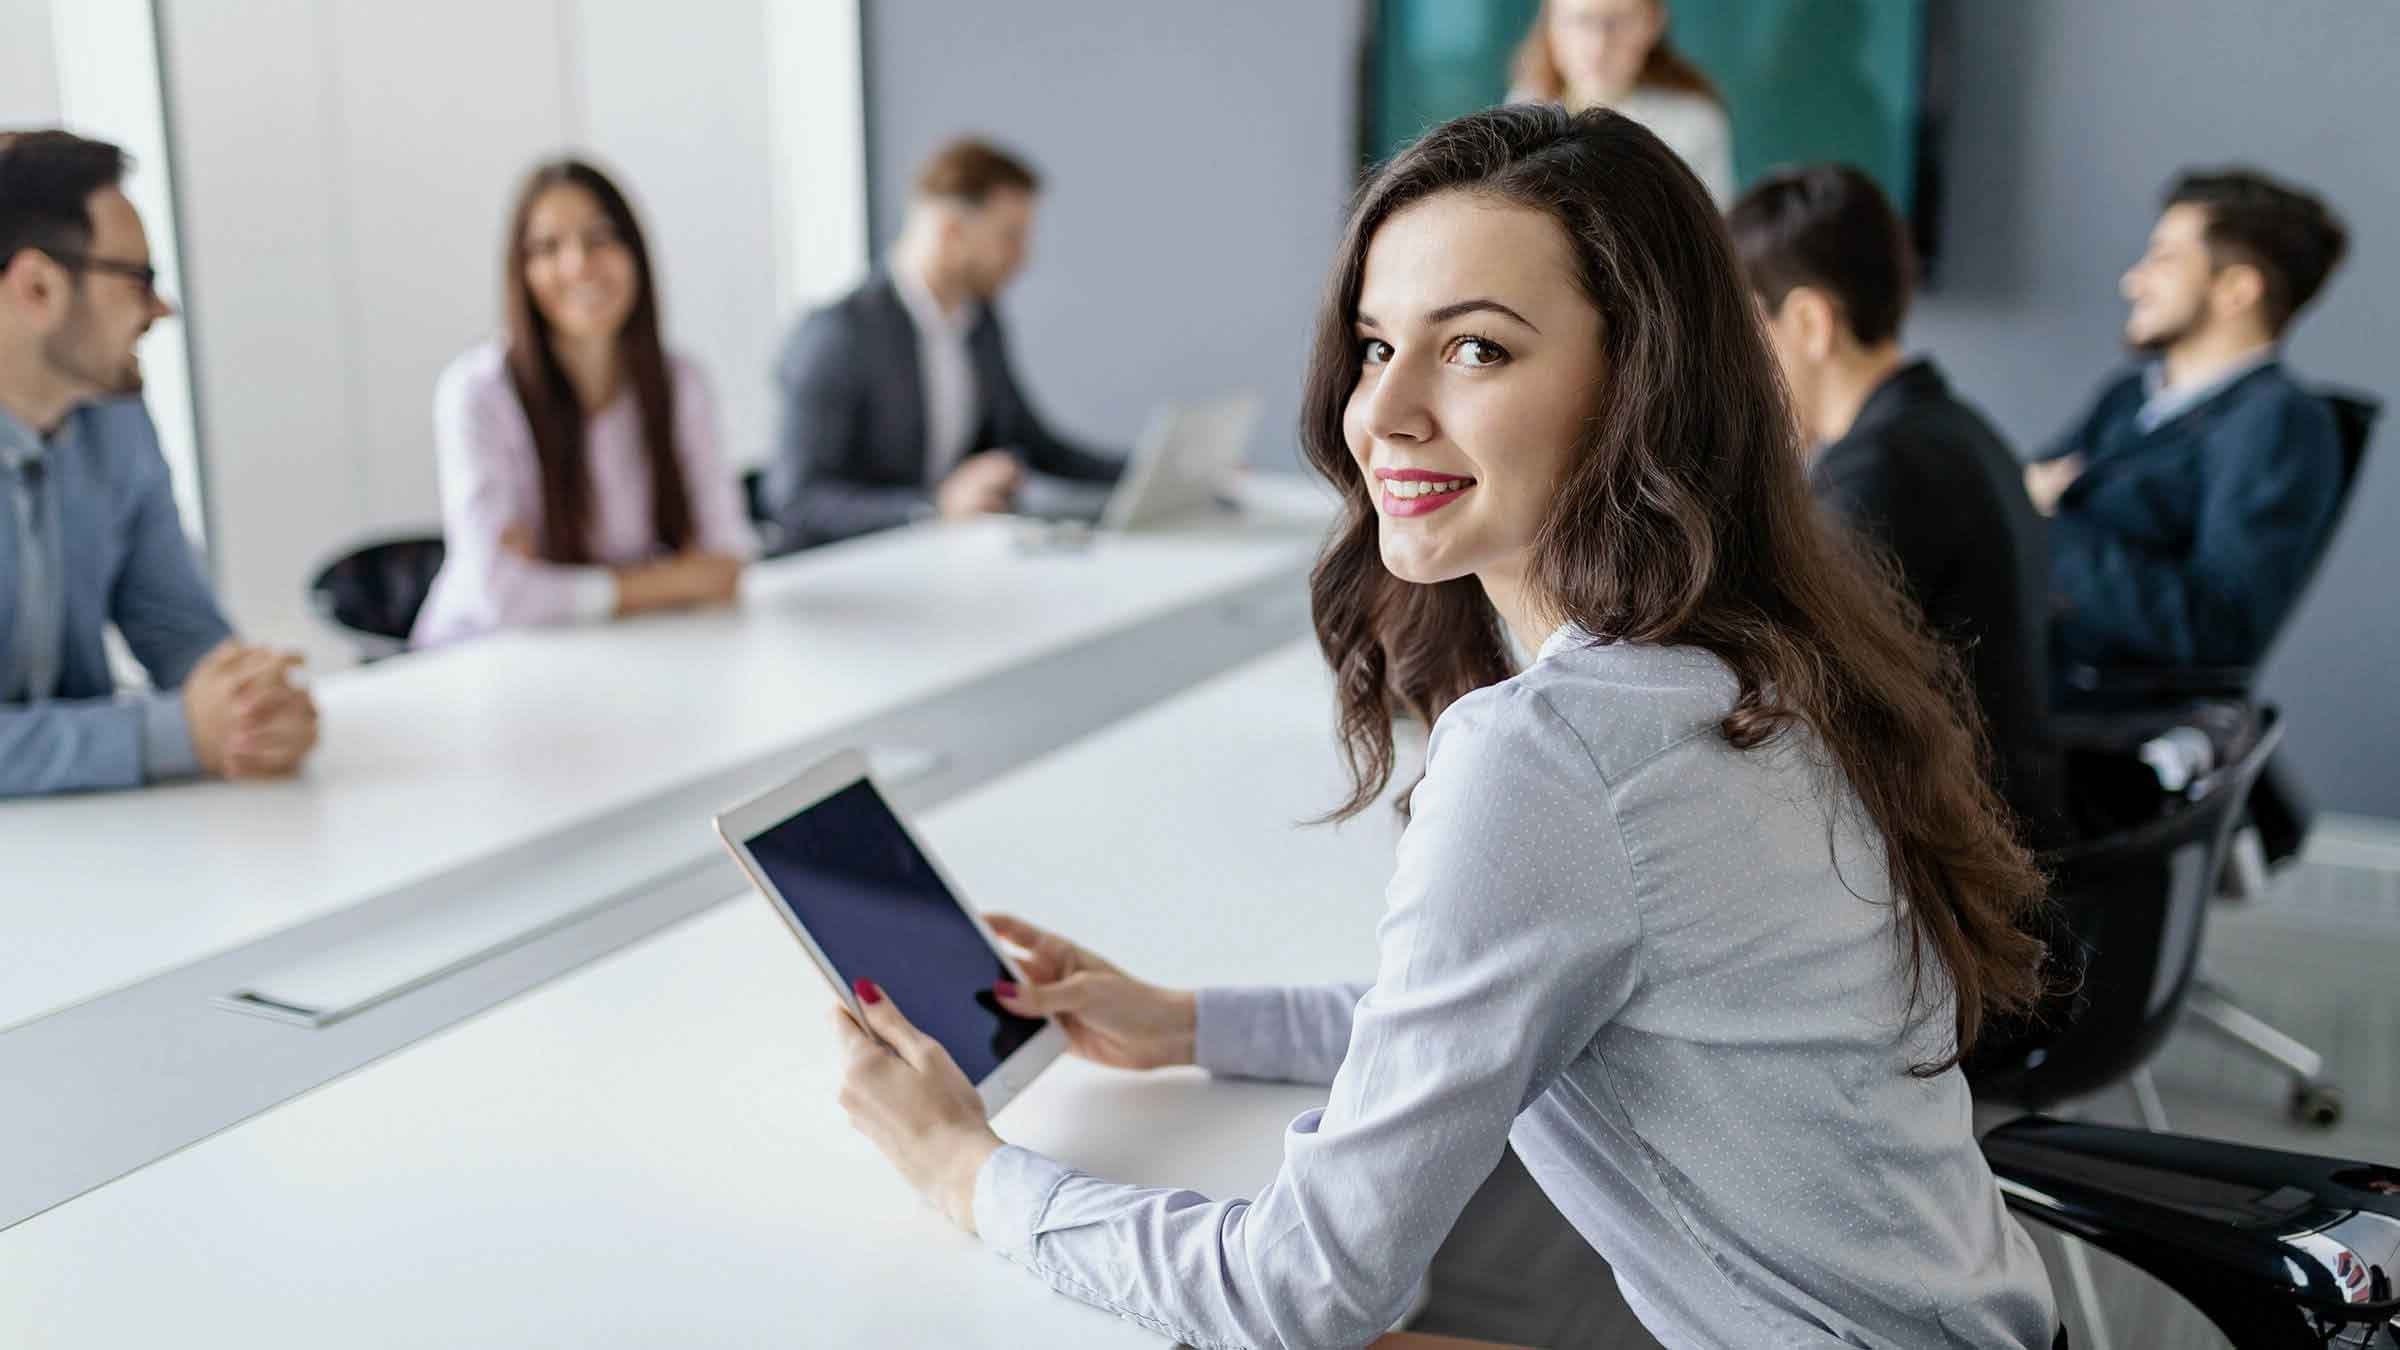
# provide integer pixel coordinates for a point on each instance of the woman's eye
(1374, 351)
(1478, 352)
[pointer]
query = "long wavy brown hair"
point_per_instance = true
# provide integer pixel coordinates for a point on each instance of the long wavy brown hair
(1683, 520)
(1535, 70)
(551, 408)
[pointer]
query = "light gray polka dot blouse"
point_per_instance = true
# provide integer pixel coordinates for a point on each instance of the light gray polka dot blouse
(1623, 945)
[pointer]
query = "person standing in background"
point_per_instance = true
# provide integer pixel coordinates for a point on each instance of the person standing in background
(1615, 54)
(2188, 506)
(1901, 459)
(89, 534)
(581, 472)
(899, 400)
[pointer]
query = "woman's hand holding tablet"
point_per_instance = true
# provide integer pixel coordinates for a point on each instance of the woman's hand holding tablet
(876, 914)
(1110, 1017)
(902, 1090)
(919, 1110)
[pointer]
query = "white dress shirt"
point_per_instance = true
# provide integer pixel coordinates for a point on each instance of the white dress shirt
(948, 373)
(1694, 127)
(1665, 970)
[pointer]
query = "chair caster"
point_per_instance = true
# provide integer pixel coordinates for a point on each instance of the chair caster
(2317, 1105)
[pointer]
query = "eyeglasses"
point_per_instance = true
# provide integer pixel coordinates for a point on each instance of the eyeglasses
(142, 274)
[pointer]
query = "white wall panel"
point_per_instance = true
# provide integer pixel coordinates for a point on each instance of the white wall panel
(28, 72)
(435, 131)
(674, 101)
(258, 143)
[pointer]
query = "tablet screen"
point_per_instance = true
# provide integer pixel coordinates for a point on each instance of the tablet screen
(857, 883)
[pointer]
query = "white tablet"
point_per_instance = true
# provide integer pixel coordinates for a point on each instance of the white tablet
(867, 901)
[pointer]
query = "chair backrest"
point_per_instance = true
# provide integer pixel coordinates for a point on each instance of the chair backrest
(2128, 913)
(374, 591)
(754, 496)
(2353, 427)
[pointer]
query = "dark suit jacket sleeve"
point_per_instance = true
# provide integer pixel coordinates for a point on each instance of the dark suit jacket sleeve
(1017, 425)
(2273, 471)
(814, 486)
(2080, 438)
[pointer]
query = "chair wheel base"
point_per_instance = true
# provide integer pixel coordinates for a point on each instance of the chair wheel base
(2317, 1105)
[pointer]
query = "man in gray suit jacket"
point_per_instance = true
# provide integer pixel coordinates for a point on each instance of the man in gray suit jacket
(898, 400)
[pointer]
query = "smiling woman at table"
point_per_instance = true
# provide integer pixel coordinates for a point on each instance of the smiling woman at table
(581, 476)
(1699, 908)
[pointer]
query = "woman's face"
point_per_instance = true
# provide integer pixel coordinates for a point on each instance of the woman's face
(1601, 45)
(581, 274)
(1479, 363)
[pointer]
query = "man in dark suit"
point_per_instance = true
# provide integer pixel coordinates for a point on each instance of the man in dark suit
(898, 400)
(2189, 505)
(1897, 456)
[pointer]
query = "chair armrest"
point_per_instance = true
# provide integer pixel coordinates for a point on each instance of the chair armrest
(2233, 1228)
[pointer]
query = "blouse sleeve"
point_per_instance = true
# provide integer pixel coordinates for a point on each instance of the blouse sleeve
(1287, 1035)
(485, 454)
(1511, 937)
(721, 523)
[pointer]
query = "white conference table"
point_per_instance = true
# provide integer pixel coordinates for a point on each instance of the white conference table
(647, 1152)
(433, 762)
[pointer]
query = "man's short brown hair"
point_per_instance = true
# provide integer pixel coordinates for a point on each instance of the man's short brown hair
(970, 170)
(2292, 238)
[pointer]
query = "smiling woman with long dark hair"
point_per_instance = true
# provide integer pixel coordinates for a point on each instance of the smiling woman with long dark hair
(581, 476)
(1698, 907)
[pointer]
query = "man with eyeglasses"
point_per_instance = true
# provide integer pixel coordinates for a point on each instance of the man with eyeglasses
(89, 534)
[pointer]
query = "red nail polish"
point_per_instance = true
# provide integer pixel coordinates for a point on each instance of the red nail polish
(867, 992)
(1005, 988)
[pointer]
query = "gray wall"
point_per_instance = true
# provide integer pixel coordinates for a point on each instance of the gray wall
(2071, 116)
(1196, 161)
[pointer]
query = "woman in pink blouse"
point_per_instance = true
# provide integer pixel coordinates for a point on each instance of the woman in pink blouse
(581, 476)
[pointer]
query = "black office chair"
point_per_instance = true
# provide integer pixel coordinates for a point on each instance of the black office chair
(2278, 814)
(373, 592)
(2129, 907)
(771, 540)
(2242, 1232)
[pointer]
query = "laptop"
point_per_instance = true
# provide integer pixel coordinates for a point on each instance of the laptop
(1183, 465)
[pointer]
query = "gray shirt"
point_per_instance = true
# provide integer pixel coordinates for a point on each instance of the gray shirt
(1662, 968)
